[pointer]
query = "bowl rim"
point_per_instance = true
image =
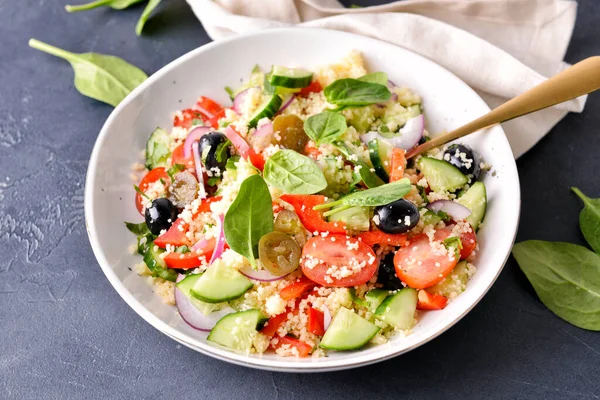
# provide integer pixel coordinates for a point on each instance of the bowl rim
(280, 364)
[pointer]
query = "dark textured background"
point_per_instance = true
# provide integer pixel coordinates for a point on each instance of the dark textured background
(65, 333)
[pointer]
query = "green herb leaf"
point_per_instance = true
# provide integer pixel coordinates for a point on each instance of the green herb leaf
(137, 229)
(326, 127)
(212, 181)
(589, 220)
(249, 218)
(423, 194)
(152, 4)
(375, 77)
(105, 78)
(566, 277)
(230, 165)
(294, 173)
(182, 249)
(115, 4)
(230, 92)
(369, 177)
(355, 93)
(175, 169)
(454, 243)
(138, 190)
(378, 196)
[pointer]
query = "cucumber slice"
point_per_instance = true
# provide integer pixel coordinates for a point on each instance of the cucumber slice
(356, 299)
(237, 330)
(375, 297)
(441, 175)
(348, 331)
(267, 109)
(475, 199)
(157, 265)
(415, 110)
(270, 89)
(292, 78)
(380, 153)
(454, 284)
(356, 218)
(399, 309)
(220, 283)
(157, 149)
(185, 286)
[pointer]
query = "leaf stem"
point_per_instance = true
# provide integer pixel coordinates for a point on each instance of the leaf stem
(327, 205)
(87, 6)
(47, 48)
(336, 210)
(582, 196)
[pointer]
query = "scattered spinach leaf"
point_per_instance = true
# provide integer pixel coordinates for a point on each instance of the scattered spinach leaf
(137, 229)
(589, 220)
(566, 277)
(375, 77)
(377, 196)
(249, 218)
(152, 4)
(115, 4)
(326, 127)
(350, 92)
(105, 78)
(294, 173)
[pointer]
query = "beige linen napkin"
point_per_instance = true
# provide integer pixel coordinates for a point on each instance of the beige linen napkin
(499, 47)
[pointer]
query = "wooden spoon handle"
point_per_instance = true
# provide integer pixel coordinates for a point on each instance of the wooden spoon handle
(581, 78)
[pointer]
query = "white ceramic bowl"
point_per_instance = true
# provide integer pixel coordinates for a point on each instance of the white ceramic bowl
(448, 103)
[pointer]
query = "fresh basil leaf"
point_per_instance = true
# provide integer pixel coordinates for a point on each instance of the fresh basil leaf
(369, 177)
(566, 277)
(375, 77)
(105, 78)
(294, 173)
(115, 4)
(326, 127)
(137, 229)
(589, 220)
(249, 218)
(350, 92)
(152, 4)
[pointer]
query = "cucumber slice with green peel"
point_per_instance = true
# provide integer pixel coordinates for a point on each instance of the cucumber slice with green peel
(375, 297)
(357, 219)
(267, 109)
(475, 199)
(220, 283)
(158, 149)
(399, 309)
(185, 286)
(453, 284)
(270, 89)
(293, 78)
(237, 330)
(157, 265)
(441, 175)
(348, 331)
(358, 300)
(380, 153)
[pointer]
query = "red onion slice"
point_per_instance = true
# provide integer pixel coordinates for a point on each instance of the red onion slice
(264, 130)
(391, 84)
(286, 104)
(406, 139)
(200, 244)
(194, 317)
(199, 174)
(192, 137)
(261, 275)
(239, 99)
(326, 317)
(456, 211)
(218, 251)
(367, 137)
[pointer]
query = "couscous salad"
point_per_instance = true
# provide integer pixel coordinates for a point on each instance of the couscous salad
(290, 221)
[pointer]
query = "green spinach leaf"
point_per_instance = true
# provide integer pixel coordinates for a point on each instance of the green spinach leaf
(137, 229)
(249, 218)
(152, 4)
(101, 77)
(294, 173)
(375, 77)
(378, 196)
(116, 4)
(326, 127)
(350, 92)
(589, 220)
(566, 277)
(369, 177)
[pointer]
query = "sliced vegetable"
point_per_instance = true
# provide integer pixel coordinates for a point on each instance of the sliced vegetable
(356, 219)
(114, 4)
(192, 259)
(468, 240)
(303, 349)
(289, 132)
(239, 100)
(220, 246)
(267, 109)
(380, 153)
(297, 288)
(430, 301)
(157, 265)
(261, 275)
(151, 177)
(293, 78)
(193, 137)
(274, 323)
(314, 87)
(315, 322)
(237, 330)
(198, 314)
(441, 175)
(399, 309)
(375, 297)
(475, 199)
(220, 283)
(453, 209)
(398, 165)
(376, 237)
(211, 107)
(244, 149)
(348, 331)
(158, 149)
(310, 218)
(453, 284)
(175, 236)
(279, 253)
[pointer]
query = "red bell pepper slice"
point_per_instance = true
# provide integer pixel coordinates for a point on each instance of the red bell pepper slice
(191, 259)
(398, 164)
(314, 87)
(312, 219)
(430, 301)
(304, 349)
(374, 237)
(316, 321)
(214, 121)
(187, 117)
(209, 105)
(296, 289)
(274, 324)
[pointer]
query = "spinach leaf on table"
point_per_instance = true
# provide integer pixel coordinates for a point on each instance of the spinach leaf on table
(589, 220)
(325, 127)
(294, 173)
(350, 92)
(102, 77)
(115, 4)
(566, 277)
(249, 218)
(152, 4)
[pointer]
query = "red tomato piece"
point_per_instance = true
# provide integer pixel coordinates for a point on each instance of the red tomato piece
(178, 157)
(419, 266)
(191, 259)
(398, 164)
(312, 219)
(467, 239)
(205, 205)
(187, 117)
(209, 105)
(314, 87)
(336, 251)
(244, 149)
(296, 289)
(274, 324)
(214, 121)
(148, 179)
(316, 321)
(374, 237)
(174, 236)
(312, 151)
(430, 301)
(304, 349)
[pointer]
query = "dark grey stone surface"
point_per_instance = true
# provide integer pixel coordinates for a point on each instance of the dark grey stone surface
(66, 334)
